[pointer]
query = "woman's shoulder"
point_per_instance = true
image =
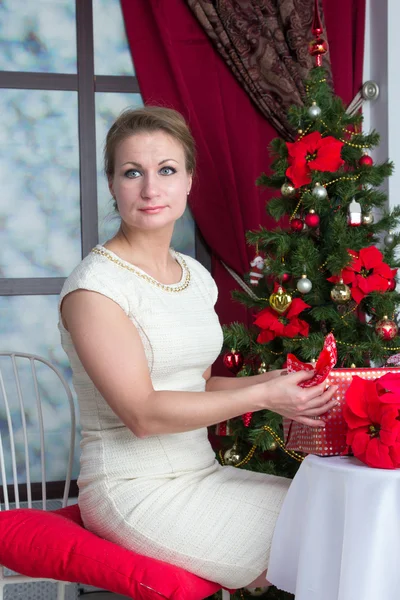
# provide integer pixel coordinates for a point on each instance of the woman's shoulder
(96, 273)
(93, 266)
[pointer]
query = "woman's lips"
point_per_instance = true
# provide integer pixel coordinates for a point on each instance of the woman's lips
(152, 210)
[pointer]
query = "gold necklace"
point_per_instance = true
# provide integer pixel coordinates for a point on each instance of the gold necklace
(163, 286)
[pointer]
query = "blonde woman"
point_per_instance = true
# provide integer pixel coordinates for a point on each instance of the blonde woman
(139, 327)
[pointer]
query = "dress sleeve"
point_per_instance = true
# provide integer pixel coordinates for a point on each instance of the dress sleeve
(89, 277)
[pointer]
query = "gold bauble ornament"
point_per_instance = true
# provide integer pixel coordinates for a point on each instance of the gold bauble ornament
(288, 190)
(280, 300)
(340, 293)
(353, 366)
(367, 218)
(232, 456)
(262, 368)
(272, 446)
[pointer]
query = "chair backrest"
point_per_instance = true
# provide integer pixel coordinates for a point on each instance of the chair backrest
(23, 381)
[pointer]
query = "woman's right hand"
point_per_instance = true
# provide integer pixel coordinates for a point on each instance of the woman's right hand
(284, 396)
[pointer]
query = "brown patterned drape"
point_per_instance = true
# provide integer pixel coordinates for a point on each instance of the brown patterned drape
(265, 44)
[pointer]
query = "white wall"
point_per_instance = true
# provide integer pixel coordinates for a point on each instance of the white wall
(382, 64)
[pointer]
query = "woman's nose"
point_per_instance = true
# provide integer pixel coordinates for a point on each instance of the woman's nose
(150, 187)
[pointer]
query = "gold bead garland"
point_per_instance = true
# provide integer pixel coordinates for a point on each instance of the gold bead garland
(297, 208)
(347, 314)
(344, 178)
(346, 142)
(303, 133)
(281, 444)
(358, 346)
(252, 450)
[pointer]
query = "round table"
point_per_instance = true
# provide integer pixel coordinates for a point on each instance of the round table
(338, 534)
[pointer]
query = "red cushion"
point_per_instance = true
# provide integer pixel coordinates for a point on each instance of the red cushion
(55, 545)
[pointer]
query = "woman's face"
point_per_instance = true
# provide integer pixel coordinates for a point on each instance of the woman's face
(150, 182)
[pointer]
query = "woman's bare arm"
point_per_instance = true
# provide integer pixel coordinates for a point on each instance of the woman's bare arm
(111, 351)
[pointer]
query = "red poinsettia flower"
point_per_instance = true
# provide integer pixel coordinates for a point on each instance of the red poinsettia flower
(312, 152)
(367, 273)
(374, 425)
(287, 325)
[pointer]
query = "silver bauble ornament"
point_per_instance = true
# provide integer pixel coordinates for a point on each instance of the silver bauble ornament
(368, 219)
(257, 591)
(388, 239)
(288, 190)
(304, 285)
(319, 192)
(232, 456)
(314, 111)
(340, 293)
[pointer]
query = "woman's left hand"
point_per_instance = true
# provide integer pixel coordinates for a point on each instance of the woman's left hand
(270, 375)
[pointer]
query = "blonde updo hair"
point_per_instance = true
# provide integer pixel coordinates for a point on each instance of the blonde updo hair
(149, 119)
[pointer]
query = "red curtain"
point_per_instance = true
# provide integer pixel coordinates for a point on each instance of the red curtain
(345, 29)
(177, 67)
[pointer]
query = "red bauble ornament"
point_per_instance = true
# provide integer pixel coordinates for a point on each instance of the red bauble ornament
(386, 329)
(285, 277)
(312, 219)
(366, 161)
(296, 225)
(318, 48)
(391, 285)
(233, 361)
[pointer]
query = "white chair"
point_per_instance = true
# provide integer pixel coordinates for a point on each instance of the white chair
(91, 560)
(14, 402)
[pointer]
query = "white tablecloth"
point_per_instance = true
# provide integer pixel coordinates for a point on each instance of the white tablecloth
(338, 534)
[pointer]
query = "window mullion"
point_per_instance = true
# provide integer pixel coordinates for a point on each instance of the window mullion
(87, 126)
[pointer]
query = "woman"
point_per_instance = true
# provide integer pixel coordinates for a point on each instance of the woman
(139, 327)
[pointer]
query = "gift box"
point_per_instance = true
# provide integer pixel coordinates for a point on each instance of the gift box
(331, 440)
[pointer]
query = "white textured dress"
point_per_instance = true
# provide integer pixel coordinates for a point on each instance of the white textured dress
(166, 496)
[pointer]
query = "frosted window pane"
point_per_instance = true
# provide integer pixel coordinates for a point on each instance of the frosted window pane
(108, 107)
(111, 50)
(38, 36)
(29, 324)
(39, 170)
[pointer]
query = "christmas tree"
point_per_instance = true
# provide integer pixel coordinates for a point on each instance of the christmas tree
(328, 266)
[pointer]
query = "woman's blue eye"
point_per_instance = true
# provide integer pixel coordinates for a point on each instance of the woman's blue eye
(132, 173)
(167, 171)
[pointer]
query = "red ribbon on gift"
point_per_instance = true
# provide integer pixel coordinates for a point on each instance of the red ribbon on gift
(325, 363)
